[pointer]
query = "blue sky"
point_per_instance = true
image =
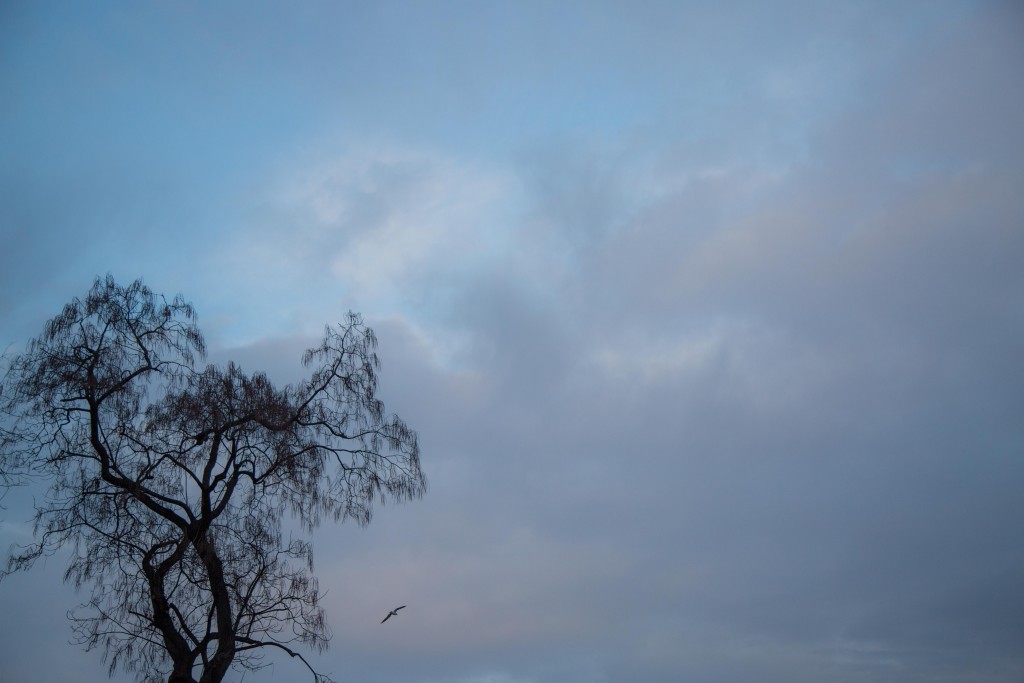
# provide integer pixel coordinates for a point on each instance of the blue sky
(708, 314)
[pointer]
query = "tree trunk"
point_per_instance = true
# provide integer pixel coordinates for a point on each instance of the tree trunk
(219, 664)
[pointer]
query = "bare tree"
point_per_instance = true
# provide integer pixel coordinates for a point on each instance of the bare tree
(170, 484)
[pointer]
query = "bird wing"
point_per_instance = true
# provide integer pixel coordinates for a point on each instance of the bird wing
(398, 608)
(387, 617)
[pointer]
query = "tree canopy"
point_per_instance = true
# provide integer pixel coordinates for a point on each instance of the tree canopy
(170, 483)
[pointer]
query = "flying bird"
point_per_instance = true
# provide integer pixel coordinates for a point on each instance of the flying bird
(392, 613)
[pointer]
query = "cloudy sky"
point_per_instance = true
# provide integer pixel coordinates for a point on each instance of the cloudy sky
(709, 314)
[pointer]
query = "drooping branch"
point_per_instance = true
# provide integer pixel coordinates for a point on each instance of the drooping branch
(169, 482)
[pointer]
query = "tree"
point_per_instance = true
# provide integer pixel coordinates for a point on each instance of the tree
(171, 484)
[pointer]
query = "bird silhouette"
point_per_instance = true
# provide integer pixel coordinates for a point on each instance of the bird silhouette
(392, 613)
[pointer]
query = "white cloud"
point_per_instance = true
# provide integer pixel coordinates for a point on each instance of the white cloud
(393, 222)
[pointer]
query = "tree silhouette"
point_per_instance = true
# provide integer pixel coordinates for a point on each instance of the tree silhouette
(170, 484)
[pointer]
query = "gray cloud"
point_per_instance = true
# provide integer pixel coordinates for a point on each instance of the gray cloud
(691, 412)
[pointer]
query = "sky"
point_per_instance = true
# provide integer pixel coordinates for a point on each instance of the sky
(709, 315)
